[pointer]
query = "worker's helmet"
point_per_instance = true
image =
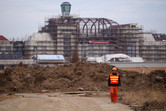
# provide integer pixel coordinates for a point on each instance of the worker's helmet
(114, 69)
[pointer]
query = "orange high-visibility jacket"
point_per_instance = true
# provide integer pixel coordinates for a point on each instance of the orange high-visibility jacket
(114, 80)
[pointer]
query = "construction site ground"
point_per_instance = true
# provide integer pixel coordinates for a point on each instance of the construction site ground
(24, 88)
(61, 102)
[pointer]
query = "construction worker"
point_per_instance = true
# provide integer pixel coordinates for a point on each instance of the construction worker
(114, 82)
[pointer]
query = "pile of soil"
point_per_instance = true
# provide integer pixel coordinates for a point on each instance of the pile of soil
(157, 78)
(85, 75)
(134, 81)
(88, 76)
(77, 76)
(154, 106)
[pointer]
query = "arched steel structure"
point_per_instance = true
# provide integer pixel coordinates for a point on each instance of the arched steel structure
(88, 27)
(97, 27)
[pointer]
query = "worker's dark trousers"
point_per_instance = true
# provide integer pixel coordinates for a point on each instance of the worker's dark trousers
(114, 93)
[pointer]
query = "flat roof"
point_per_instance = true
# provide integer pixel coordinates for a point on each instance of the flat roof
(50, 57)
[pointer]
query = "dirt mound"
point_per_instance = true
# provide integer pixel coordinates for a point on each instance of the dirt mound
(85, 76)
(147, 91)
(88, 76)
(158, 78)
(59, 78)
(154, 106)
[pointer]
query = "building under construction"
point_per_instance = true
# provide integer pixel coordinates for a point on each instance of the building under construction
(94, 37)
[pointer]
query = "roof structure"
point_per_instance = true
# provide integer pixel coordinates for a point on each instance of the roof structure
(115, 58)
(50, 57)
(2, 38)
(40, 37)
(148, 37)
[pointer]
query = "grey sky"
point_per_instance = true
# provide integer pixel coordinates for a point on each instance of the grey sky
(20, 18)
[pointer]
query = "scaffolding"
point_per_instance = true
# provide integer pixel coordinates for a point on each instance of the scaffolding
(87, 32)
(99, 36)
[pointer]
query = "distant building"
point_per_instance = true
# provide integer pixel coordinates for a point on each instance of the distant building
(153, 47)
(90, 37)
(5, 45)
(40, 43)
(11, 49)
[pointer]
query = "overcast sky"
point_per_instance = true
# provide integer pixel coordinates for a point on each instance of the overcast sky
(20, 18)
